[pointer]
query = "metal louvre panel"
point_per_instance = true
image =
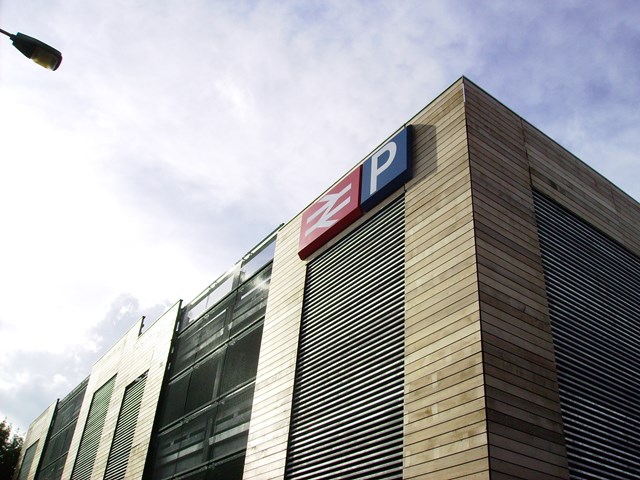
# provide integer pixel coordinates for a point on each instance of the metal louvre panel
(593, 286)
(125, 428)
(27, 460)
(346, 418)
(90, 440)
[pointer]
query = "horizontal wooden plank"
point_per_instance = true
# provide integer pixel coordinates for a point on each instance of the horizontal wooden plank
(420, 312)
(461, 256)
(451, 466)
(523, 438)
(429, 223)
(532, 467)
(490, 273)
(541, 341)
(417, 330)
(419, 362)
(432, 172)
(459, 417)
(443, 359)
(522, 413)
(435, 382)
(463, 444)
(543, 408)
(508, 444)
(445, 397)
(440, 241)
(449, 99)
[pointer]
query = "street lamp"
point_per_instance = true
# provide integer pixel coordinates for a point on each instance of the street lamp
(41, 53)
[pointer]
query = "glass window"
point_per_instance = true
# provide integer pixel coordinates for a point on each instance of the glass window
(185, 350)
(251, 301)
(217, 292)
(200, 474)
(220, 290)
(193, 313)
(201, 339)
(27, 460)
(175, 399)
(184, 446)
(206, 406)
(53, 471)
(213, 333)
(204, 379)
(259, 260)
(241, 360)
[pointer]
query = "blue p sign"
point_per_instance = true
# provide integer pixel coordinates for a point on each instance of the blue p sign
(386, 170)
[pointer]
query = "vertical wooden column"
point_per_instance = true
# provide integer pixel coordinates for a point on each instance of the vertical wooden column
(271, 413)
(445, 415)
(524, 423)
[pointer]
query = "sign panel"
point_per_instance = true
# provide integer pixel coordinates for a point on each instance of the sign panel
(330, 214)
(378, 176)
(385, 171)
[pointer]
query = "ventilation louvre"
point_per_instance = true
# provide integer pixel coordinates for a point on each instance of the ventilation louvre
(125, 428)
(593, 286)
(90, 440)
(25, 468)
(348, 401)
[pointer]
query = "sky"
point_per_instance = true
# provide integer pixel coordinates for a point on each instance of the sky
(177, 134)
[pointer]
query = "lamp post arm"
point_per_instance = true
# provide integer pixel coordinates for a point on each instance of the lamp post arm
(38, 51)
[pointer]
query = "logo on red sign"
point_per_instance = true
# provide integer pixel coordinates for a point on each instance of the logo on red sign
(330, 214)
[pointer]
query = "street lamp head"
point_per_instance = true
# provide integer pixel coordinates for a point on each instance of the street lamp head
(41, 53)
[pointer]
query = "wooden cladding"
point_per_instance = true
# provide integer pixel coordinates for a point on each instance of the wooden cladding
(445, 420)
(524, 423)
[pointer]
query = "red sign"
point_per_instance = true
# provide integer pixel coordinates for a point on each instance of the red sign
(330, 214)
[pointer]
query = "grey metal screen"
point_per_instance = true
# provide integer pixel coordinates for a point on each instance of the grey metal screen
(27, 460)
(202, 424)
(90, 440)
(593, 286)
(348, 399)
(125, 428)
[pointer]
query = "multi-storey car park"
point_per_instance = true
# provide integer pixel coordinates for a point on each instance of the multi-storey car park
(464, 303)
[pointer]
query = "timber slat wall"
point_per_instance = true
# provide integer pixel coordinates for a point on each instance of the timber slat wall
(271, 412)
(445, 417)
(523, 407)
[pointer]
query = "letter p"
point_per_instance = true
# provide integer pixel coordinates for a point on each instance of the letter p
(386, 170)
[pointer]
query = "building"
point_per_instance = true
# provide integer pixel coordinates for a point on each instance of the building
(464, 303)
